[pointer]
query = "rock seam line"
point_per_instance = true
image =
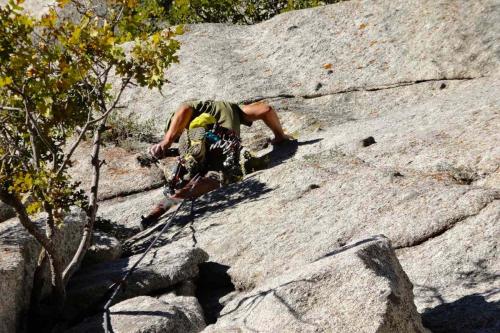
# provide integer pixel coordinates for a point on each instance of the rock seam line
(125, 194)
(448, 227)
(357, 89)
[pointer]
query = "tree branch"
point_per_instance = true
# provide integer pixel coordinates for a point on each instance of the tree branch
(13, 201)
(125, 83)
(91, 122)
(86, 239)
(9, 108)
(51, 228)
(32, 141)
(41, 135)
(73, 148)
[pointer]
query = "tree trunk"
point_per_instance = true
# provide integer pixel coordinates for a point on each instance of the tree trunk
(86, 240)
(58, 287)
(38, 281)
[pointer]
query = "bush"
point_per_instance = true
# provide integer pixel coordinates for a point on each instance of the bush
(128, 132)
(232, 11)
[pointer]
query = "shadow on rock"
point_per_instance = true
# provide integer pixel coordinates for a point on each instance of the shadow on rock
(480, 274)
(283, 152)
(248, 303)
(115, 229)
(213, 284)
(468, 314)
(145, 313)
(248, 190)
(347, 247)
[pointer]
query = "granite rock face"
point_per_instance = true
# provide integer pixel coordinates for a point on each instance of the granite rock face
(420, 78)
(146, 314)
(123, 214)
(34, 7)
(396, 108)
(6, 212)
(358, 288)
(456, 279)
(121, 175)
(104, 248)
(352, 45)
(18, 259)
(161, 268)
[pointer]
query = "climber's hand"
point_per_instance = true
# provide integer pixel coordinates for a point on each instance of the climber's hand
(159, 150)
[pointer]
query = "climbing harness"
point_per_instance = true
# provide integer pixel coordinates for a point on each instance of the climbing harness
(203, 148)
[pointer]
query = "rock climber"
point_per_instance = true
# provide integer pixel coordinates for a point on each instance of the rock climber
(189, 125)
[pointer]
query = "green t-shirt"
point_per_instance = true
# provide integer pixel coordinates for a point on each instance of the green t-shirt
(228, 115)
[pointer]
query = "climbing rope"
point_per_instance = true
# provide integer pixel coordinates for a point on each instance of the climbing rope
(118, 285)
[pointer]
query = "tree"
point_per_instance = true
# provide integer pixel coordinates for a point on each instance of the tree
(60, 77)
(233, 11)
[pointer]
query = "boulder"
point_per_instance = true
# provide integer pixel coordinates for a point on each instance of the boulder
(104, 248)
(6, 212)
(146, 314)
(18, 259)
(358, 288)
(162, 268)
(191, 307)
(186, 288)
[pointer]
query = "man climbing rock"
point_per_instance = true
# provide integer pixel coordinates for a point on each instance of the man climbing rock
(209, 147)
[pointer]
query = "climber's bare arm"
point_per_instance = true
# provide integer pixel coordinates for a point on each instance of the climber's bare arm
(263, 111)
(180, 121)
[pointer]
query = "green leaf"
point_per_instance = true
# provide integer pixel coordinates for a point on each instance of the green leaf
(75, 36)
(62, 3)
(5, 81)
(34, 208)
(48, 100)
(156, 38)
(179, 30)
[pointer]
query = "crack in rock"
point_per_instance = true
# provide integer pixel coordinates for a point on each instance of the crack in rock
(447, 227)
(354, 89)
(124, 194)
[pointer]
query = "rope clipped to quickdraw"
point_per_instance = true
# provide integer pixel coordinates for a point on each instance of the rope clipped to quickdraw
(118, 285)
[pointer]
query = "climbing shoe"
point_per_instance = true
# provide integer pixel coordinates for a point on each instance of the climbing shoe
(251, 163)
(192, 142)
(147, 221)
(152, 218)
(192, 150)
